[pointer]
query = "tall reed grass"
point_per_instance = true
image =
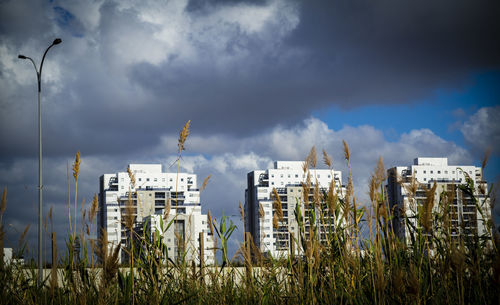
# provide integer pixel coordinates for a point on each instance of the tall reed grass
(341, 267)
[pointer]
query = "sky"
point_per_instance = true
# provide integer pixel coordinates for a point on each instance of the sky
(260, 81)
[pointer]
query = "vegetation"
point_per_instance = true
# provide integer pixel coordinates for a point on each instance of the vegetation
(342, 266)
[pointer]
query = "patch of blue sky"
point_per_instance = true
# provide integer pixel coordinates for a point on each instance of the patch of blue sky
(67, 21)
(442, 112)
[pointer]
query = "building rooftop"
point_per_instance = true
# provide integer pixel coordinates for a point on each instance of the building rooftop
(145, 168)
(431, 161)
(288, 164)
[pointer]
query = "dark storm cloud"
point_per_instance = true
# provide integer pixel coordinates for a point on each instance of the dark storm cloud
(129, 73)
(345, 53)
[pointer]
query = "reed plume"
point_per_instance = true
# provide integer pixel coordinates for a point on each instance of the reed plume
(327, 160)
(205, 182)
(306, 187)
(485, 159)
(183, 136)
(168, 206)
(277, 205)
(242, 213)
(347, 152)
(129, 212)
(261, 211)
(332, 198)
(131, 177)
(275, 221)
(76, 171)
(312, 157)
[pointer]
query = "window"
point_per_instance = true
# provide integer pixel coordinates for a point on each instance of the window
(425, 179)
(453, 172)
(272, 183)
(445, 172)
(182, 179)
(163, 179)
(272, 176)
(281, 176)
(171, 180)
(156, 179)
(318, 176)
(289, 176)
(425, 172)
(122, 187)
(415, 171)
(147, 179)
(121, 179)
(432, 172)
(439, 172)
(296, 176)
(140, 179)
(281, 182)
(329, 176)
(291, 191)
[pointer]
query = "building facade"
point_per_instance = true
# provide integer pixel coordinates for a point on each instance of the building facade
(287, 178)
(432, 180)
(150, 193)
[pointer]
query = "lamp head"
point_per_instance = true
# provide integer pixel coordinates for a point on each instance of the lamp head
(21, 56)
(57, 41)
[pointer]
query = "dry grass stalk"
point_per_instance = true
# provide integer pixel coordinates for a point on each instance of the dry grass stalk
(69, 200)
(129, 212)
(312, 157)
(242, 213)
(76, 165)
(380, 173)
(108, 255)
(205, 182)
(275, 221)
(277, 205)
(347, 152)
(183, 136)
(485, 159)
(94, 207)
(261, 211)
(327, 160)
(426, 217)
(306, 187)
(316, 194)
(76, 172)
(373, 190)
(332, 198)
(168, 206)
(131, 177)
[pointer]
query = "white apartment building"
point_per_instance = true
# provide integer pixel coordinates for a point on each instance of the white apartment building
(464, 217)
(150, 194)
(287, 178)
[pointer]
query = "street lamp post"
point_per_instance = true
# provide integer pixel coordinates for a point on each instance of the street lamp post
(40, 185)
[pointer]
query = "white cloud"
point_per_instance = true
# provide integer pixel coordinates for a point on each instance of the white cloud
(482, 130)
